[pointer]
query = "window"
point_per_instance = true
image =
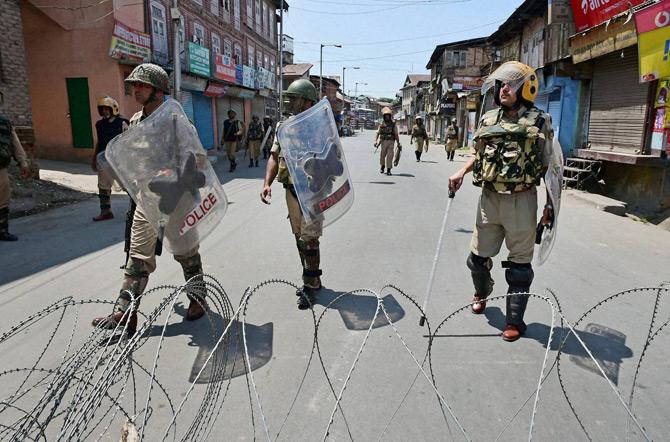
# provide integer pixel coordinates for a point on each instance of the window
(198, 2)
(250, 56)
(456, 59)
(268, 25)
(272, 65)
(259, 59)
(236, 13)
(238, 54)
(250, 13)
(198, 34)
(159, 39)
(464, 57)
(226, 10)
(265, 20)
(227, 48)
(214, 7)
(182, 38)
(258, 15)
(216, 44)
(273, 23)
(266, 62)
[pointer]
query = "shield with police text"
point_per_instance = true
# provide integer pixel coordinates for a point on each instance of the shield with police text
(313, 153)
(164, 168)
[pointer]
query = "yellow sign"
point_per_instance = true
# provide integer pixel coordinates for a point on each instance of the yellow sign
(653, 47)
(602, 40)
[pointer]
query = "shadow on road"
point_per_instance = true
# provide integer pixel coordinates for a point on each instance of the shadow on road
(229, 355)
(607, 345)
(358, 311)
(381, 182)
(408, 175)
(427, 161)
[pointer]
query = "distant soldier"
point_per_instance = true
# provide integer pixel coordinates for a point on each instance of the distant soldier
(110, 125)
(233, 130)
(513, 149)
(254, 138)
(387, 136)
(419, 135)
(452, 139)
(10, 147)
(267, 124)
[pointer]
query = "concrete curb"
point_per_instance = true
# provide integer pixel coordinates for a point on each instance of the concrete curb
(600, 202)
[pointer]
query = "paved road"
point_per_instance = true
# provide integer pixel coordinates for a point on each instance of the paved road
(388, 237)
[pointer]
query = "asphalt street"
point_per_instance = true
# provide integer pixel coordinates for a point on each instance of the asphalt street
(388, 237)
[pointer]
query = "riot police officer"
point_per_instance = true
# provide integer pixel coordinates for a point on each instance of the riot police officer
(452, 139)
(513, 147)
(302, 96)
(387, 135)
(110, 125)
(150, 84)
(10, 147)
(419, 135)
(254, 138)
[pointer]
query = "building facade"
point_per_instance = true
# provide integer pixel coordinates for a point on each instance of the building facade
(412, 91)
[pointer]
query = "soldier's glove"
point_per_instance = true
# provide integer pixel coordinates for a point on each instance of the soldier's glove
(171, 188)
(321, 171)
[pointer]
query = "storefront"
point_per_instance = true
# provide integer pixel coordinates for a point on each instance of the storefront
(198, 108)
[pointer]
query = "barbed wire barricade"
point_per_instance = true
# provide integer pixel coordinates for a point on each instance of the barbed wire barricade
(91, 384)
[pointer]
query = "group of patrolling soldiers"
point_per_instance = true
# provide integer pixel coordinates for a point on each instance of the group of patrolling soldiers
(512, 152)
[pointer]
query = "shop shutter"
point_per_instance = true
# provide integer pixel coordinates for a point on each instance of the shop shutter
(258, 107)
(187, 103)
(202, 113)
(618, 103)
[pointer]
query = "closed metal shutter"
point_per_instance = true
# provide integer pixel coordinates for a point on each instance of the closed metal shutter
(258, 107)
(618, 103)
(202, 113)
(542, 101)
(187, 103)
(223, 105)
(554, 109)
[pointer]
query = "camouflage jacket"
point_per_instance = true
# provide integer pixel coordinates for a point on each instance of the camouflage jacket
(419, 131)
(387, 131)
(509, 153)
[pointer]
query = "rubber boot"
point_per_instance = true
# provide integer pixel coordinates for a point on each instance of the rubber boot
(381, 170)
(388, 171)
(256, 163)
(417, 154)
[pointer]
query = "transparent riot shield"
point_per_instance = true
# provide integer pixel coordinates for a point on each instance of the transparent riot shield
(313, 153)
(553, 179)
(164, 168)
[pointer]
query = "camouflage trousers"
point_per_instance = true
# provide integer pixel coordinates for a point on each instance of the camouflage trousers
(254, 147)
(142, 260)
(230, 148)
(421, 144)
(307, 241)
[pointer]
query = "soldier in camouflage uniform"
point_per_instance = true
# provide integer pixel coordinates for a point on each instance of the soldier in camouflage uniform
(150, 84)
(419, 135)
(302, 96)
(233, 130)
(513, 148)
(10, 147)
(387, 135)
(254, 138)
(267, 124)
(452, 140)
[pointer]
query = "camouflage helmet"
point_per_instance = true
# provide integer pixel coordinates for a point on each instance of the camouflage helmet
(151, 74)
(302, 88)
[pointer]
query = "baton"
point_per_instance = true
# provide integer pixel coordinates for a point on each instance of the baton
(422, 321)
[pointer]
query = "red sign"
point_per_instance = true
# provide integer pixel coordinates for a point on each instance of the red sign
(225, 68)
(129, 43)
(652, 18)
(215, 90)
(197, 214)
(590, 13)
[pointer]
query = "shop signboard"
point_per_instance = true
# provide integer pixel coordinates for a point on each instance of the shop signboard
(248, 77)
(591, 13)
(198, 59)
(129, 44)
(654, 41)
(225, 69)
(463, 83)
(602, 40)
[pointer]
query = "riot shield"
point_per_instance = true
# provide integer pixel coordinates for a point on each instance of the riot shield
(553, 179)
(313, 153)
(164, 168)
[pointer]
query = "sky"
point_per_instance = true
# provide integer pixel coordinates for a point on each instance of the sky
(386, 39)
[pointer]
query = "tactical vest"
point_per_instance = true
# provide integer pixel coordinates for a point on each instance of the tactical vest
(107, 131)
(255, 131)
(6, 147)
(451, 132)
(508, 156)
(387, 131)
(419, 131)
(230, 129)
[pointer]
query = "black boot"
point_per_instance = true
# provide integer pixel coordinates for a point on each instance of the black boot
(306, 296)
(256, 163)
(417, 155)
(381, 170)
(4, 226)
(251, 162)
(388, 171)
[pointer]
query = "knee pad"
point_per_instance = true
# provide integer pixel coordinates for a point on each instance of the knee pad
(519, 277)
(478, 264)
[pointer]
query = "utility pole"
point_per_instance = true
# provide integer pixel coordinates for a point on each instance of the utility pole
(176, 25)
(281, 57)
